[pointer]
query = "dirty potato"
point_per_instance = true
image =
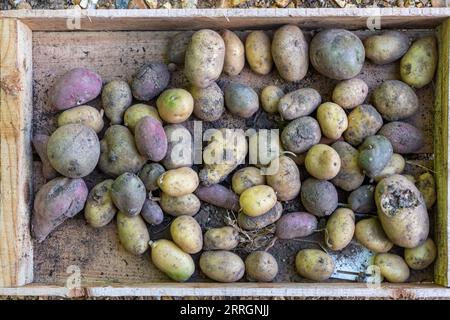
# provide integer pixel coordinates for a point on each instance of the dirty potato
(296, 225)
(404, 137)
(178, 182)
(301, 134)
(175, 105)
(149, 175)
(363, 121)
(371, 235)
(286, 180)
(222, 266)
(246, 178)
(150, 80)
(299, 103)
(374, 154)
(100, 209)
(224, 238)
(40, 142)
(392, 267)
(421, 257)
(322, 162)
(85, 115)
(319, 197)
(209, 104)
(395, 166)
(151, 139)
(253, 223)
(234, 53)
(257, 200)
(137, 112)
(362, 200)
(386, 47)
(270, 97)
(187, 234)
(258, 52)
(332, 120)
(241, 100)
(152, 213)
(427, 187)
(116, 98)
(187, 204)
(314, 264)
(219, 196)
(350, 175)
(340, 229)
(128, 194)
(261, 266)
(350, 93)
(133, 233)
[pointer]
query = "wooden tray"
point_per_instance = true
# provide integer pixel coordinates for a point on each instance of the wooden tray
(37, 46)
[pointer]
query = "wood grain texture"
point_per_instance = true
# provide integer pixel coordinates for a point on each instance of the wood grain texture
(442, 267)
(176, 19)
(16, 251)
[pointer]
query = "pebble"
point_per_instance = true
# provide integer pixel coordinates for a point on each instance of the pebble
(137, 4)
(167, 5)
(186, 4)
(438, 3)
(23, 6)
(282, 3)
(341, 3)
(152, 4)
(121, 4)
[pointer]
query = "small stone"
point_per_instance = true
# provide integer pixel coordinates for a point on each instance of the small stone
(172, 67)
(167, 5)
(152, 4)
(137, 4)
(400, 3)
(291, 5)
(419, 5)
(438, 3)
(121, 4)
(187, 4)
(282, 3)
(236, 3)
(23, 6)
(341, 3)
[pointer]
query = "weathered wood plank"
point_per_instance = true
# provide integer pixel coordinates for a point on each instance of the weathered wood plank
(16, 251)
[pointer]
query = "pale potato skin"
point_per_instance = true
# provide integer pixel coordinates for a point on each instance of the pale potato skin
(340, 229)
(402, 211)
(319, 197)
(418, 65)
(138, 111)
(299, 103)
(224, 238)
(99, 209)
(301, 134)
(427, 186)
(149, 175)
(258, 52)
(392, 267)
(128, 193)
(133, 233)
(188, 204)
(234, 53)
(209, 103)
(179, 148)
(246, 178)
(187, 234)
(332, 120)
(253, 223)
(371, 235)
(395, 166)
(175, 105)
(290, 53)
(350, 176)
(85, 115)
(350, 93)
(178, 182)
(270, 97)
(296, 225)
(421, 257)
(363, 121)
(386, 47)
(286, 181)
(314, 264)
(205, 57)
(257, 200)
(116, 98)
(170, 259)
(322, 162)
(222, 266)
(261, 266)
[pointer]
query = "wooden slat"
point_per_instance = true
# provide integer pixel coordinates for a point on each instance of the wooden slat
(16, 251)
(442, 268)
(174, 19)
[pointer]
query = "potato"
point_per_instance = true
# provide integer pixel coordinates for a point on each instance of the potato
(421, 257)
(152, 213)
(374, 154)
(402, 211)
(149, 175)
(227, 149)
(177, 47)
(187, 234)
(180, 147)
(257, 200)
(270, 97)
(405, 138)
(241, 100)
(137, 112)
(253, 223)
(222, 266)
(350, 93)
(85, 115)
(234, 53)
(151, 140)
(290, 53)
(314, 264)
(116, 98)
(395, 100)
(411, 178)
(219, 196)
(264, 147)
(40, 142)
(188, 204)
(418, 65)
(75, 88)
(364, 121)
(133, 233)
(319, 197)
(204, 58)
(427, 188)
(340, 229)
(322, 162)
(258, 52)
(225, 238)
(392, 267)
(128, 194)
(370, 234)
(175, 105)
(73, 150)
(296, 225)
(350, 175)
(299, 103)
(395, 166)
(301, 134)
(332, 120)
(337, 53)
(261, 266)
(246, 178)
(362, 200)
(209, 104)
(56, 201)
(286, 180)
(386, 47)
(170, 259)
(178, 182)
(100, 209)
(150, 80)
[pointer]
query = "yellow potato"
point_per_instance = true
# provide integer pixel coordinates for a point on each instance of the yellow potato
(257, 200)
(222, 266)
(225, 238)
(100, 209)
(133, 233)
(187, 234)
(234, 53)
(85, 115)
(286, 180)
(188, 204)
(350, 93)
(332, 120)
(261, 266)
(363, 121)
(395, 166)
(350, 176)
(420, 257)
(370, 234)
(138, 111)
(314, 264)
(392, 267)
(322, 162)
(258, 52)
(178, 182)
(427, 187)
(270, 96)
(246, 178)
(175, 105)
(340, 229)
